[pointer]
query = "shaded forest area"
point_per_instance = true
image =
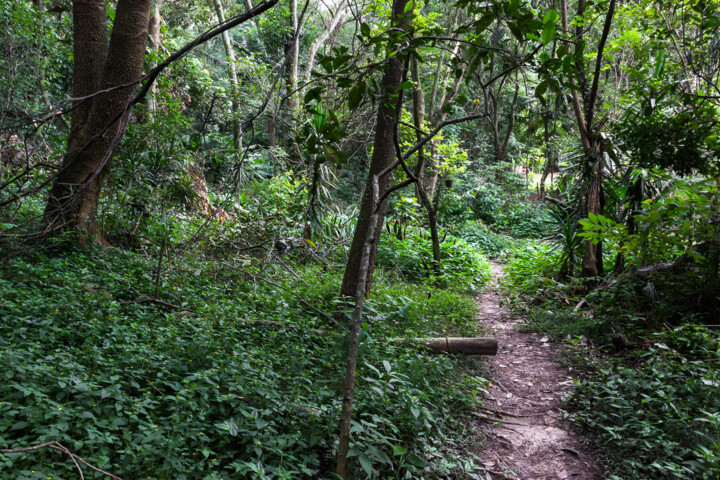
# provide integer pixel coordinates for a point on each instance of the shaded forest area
(217, 218)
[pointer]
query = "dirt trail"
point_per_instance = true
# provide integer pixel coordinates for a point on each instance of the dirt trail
(524, 435)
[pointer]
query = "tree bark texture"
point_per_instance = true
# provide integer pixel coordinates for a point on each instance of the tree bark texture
(99, 121)
(234, 83)
(153, 44)
(383, 156)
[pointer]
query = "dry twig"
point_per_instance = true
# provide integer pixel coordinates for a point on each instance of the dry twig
(61, 448)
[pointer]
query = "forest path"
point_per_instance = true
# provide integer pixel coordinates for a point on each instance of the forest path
(523, 434)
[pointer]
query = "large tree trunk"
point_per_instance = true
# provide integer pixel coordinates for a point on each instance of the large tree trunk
(98, 122)
(383, 156)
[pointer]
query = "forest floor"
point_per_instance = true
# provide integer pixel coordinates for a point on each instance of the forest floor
(523, 433)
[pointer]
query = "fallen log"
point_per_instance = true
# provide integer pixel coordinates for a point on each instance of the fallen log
(463, 345)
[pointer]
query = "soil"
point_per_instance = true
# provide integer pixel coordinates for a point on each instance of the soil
(523, 434)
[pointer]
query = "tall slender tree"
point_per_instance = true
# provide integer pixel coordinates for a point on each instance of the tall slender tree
(383, 154)
(234, 82)
(592, 141)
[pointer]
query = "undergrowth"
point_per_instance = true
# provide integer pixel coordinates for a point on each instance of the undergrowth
(242, 380)
(462, 267)
(648, 396)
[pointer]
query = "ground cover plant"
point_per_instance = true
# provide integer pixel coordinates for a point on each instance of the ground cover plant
(239, 381)
(194, 195)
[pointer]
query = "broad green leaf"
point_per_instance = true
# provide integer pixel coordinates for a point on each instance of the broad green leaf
(365, 29)
(413, 459)
(366, 464)
(387, 366)
(313, 94)
(548, 32)
(405, 85)
(551, 16)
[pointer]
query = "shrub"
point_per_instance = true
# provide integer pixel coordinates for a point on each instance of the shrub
(659, 413)
(480, 236)
(463, 268)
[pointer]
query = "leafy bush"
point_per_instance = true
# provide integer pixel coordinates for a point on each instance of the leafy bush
(489, 200)
(463, 268)
(653, 409)
(524, 220)
(480, 236)
(529, 269)
(658, 414)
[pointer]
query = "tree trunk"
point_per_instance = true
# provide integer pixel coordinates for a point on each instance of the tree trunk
(103, 88)
(363, 274)
(383, 156)
(154, 44)
(294, 59)
(548, 153)
(89, 52)
(234, 83)
(271, 128)
(332, 25)
(99, 122)
(249, 6)
(418, 121)
(510, 122)
(592, 257)
(438, 116)
(592, 143)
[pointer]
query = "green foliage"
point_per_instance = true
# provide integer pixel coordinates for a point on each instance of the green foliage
(657, 413)
(234, 383)
(566, 238)
(653, 408)
(524, 220)
(509, 213)
(682, 220)
(529, 269)
(463, 268)
(489, 243)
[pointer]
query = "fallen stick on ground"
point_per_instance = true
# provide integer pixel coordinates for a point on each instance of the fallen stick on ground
(60, 448)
